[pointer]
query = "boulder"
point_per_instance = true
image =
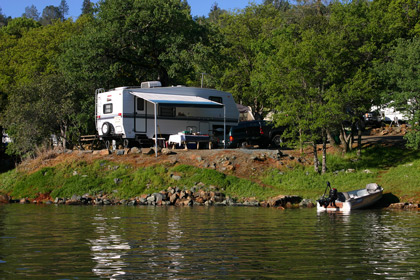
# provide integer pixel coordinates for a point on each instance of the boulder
(4, 198)
(166, 151)
(158, 197)
(147, 151)
(176, 177)
(173, 198)
(151, 198)
(277, 201)
(135, 150)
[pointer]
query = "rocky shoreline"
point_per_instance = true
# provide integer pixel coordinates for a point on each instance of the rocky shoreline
(192, 197)
(174, 197)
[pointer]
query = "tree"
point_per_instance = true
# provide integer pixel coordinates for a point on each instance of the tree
(35, 112)
(87, 7)
(31, 12)
(133, 41)
(245, 35)
(49, 14)
(64, 9)
(3, 19)
(278, 4)
(318, 72)
(215, 13)
(402, 84)
(25, 69)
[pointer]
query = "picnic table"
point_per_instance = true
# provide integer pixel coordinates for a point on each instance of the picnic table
(184, 139)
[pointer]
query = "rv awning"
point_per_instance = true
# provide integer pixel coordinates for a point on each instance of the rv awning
(177, 100)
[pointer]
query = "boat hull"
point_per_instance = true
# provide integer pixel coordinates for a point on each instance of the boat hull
(355, 201)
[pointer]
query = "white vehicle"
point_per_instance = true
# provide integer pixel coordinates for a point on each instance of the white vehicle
(135, 115)
(391, 114)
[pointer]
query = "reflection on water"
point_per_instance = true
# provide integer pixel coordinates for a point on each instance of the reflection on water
(68, 242)
(108, 249)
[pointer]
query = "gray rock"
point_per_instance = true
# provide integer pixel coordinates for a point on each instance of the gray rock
(119, 152)
(158, 197)
(76, 197)
(251, 203)
(305, 203)
(208, 203)
(143, 201)
(132, 202)
(176, 177)
(75, 173)
(107, 202)
(166, 151)
(151, 198)
(135, 150)
(117, 181)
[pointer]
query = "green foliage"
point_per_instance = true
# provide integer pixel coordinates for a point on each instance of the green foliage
(308, 63)
(18, 26)
(129, 42)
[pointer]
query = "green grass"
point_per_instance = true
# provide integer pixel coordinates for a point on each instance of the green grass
(396, 170)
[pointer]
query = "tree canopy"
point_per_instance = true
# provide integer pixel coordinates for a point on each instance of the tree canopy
(314, 66)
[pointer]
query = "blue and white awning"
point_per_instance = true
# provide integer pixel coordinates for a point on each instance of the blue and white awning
(177, 100)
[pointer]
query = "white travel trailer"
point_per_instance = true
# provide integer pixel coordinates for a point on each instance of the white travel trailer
(135, 115)
(389, 113)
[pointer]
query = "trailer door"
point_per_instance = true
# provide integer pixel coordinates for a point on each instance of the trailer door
(140, 115)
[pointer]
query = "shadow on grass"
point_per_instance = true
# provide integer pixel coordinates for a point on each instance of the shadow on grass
(386, 200)
(385, 157)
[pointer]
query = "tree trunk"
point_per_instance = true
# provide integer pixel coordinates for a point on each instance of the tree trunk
(346, 140)
(331, 139)
(359, 138)
(64, 136)
(300, 140)
(324, 152)
(316, 161)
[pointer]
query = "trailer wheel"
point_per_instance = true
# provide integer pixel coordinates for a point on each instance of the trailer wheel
(107, 128)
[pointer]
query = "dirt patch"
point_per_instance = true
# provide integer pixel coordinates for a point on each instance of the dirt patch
(243, 163)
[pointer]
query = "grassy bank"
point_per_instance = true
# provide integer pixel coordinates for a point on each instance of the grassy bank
(395, 169)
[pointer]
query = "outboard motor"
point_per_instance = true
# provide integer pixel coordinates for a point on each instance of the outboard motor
(325, 200)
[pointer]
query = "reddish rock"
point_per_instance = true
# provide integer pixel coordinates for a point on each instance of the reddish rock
(187, 202)
(264, 204)
(288, 205)
(397, 206)
(199, 200)
(173, 198)
(104, 152)
(4, 198)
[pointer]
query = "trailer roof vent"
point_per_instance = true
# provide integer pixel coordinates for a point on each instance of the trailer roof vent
(151, 84)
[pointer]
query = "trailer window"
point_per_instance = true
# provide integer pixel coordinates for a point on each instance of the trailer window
(140, 104)
(217, 99)
(165, 111)
(107, 108)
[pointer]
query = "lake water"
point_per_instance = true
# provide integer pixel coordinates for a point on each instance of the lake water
(120, 242)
